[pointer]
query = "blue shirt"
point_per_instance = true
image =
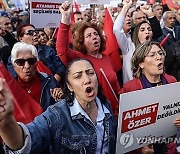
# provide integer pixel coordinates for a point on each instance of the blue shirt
(68, 129)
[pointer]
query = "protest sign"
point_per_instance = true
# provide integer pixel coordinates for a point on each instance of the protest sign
(45, 13)
(146, 116)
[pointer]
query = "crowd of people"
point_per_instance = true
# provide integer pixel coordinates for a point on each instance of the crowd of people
(75, 82)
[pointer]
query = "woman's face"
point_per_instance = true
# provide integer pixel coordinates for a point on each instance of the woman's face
(153, 64)
(145, 33)
(82, 80)
(92, 40)
(28, 35)
(27, 71)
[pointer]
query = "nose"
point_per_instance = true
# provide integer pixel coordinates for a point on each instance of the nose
(87, 79)
(26, 64)
(147, 31)
(158, 56)
(94, 36)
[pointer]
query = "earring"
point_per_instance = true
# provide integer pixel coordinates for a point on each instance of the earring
(71, 93)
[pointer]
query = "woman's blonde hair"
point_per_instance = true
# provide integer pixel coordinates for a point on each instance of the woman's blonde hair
(139, 55)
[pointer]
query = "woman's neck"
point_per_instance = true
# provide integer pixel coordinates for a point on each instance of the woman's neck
(91, 109)
(153, 79)
(22, 82)
(95, 54)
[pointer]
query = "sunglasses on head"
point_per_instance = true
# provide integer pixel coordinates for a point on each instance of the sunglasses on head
(30, 32)
(21, 62)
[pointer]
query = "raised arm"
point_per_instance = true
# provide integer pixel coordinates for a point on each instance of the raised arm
(62, 43)
(118, 30)
(10, 131)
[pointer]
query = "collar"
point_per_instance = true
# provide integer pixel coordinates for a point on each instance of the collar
(170, 29)
(76, 109)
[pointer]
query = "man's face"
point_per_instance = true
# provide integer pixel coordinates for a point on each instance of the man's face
(178, 15)
(138, 17)
(158, 11)
(5, 24)
(77, 18)
(170, 19)
(85, 15)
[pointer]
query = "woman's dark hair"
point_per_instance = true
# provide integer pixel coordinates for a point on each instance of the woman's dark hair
(21, 31)
(135, 38)
(69, 96)
(79, 39)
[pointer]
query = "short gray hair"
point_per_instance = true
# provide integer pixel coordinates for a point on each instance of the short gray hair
(22, 47)
(166, 13)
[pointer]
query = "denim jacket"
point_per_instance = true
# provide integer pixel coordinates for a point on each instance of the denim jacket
(68, 134)
(47, 82)
(50, 58)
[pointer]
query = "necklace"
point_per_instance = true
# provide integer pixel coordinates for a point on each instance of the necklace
(27, 86)
(29, 89)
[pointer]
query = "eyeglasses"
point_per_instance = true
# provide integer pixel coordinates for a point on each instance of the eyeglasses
(154, 54)
(21, 62)
(30, 32)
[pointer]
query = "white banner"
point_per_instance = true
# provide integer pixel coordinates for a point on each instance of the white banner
(45, 13)
(146, 116)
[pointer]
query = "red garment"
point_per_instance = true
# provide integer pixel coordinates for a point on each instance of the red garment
(66, 55)
(36, 90)
(112, 47)
(136, 84)
(33, 88)
(43, 68)
(25, 108)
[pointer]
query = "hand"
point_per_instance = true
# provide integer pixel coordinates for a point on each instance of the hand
(6, 101)
(177, 122)
(147, 10)
(50, 43)
(147, 149)
(57, 93)
(65, 8)
(127, 3)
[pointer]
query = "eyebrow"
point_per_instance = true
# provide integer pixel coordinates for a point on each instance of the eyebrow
(155, 51)
(82, 71)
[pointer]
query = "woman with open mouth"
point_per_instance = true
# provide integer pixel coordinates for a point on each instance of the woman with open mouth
(148, 71)
(83, 122)
(122, 29)
(89, 43)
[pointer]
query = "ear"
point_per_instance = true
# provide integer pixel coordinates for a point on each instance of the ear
(141, 65)
(69, 87)
(20, 38)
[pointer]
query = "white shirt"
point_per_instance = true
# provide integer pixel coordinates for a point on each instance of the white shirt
(127, 47)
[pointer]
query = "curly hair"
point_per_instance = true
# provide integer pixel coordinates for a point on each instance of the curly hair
(139, 55)
(69, 96)
(79, 39)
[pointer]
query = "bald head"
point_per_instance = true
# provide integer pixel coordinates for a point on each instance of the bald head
(5, 24)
